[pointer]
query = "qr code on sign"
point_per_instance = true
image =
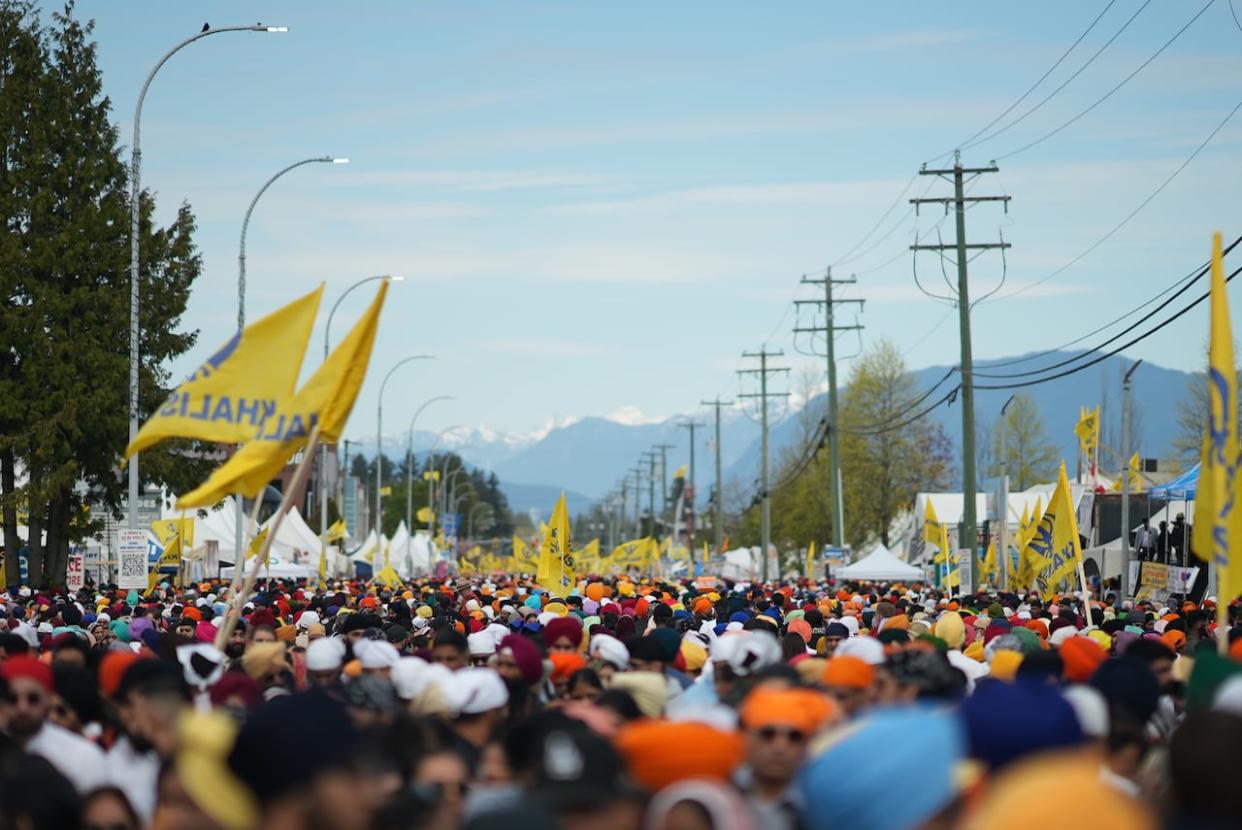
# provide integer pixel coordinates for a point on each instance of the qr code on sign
(133, 566)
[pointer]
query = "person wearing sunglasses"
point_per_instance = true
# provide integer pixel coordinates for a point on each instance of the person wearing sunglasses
(777, 726)
(26, 720)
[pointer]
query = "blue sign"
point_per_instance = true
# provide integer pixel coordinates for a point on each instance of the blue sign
(450, 523)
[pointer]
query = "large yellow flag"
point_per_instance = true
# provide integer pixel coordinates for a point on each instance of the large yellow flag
(230, 395)
(325, 401)
(936, 533)
(1218, 521)
(556, 561)
(176, 536)
(636, 553)
(1053, 551)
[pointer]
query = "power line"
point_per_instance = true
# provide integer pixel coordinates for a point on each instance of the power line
(1220, 126)
(1109, 94)
(848, 254)
(1193, 275)
(967, 142)
(1113, 352)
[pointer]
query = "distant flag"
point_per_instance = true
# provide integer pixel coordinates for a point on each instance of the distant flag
(556, 561)
(1218, 521)
(336, 531)
(324, 401)
(1053, 551)
(810, 560)
(1088, 429)
(230, 395)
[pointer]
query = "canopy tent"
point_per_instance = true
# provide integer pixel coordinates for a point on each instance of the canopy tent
(1181, 488)
(881, 565)
(276, 568)
(295, 541)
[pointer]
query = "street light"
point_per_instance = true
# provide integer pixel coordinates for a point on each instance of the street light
(135, 174)
(470, 520)
(241, 294)
(323, 449)
(432, 476)
(241, 255)
(379, 436)
(409, 472)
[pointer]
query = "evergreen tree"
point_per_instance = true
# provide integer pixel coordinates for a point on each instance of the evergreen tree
(64, 268)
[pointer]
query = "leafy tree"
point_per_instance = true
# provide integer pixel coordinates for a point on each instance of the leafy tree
(64, 285)
(1021, 447)
(885, 460)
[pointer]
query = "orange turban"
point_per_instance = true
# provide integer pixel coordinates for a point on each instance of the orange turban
(659, 753)
(702, 605)
(112, 668)
(802, 628)
(595, 591)
(849, 672)
(192, 614)
(1039, 627)
(1174, 639)
(1081, 656)
(565, 664)
(803, 709)
(1235, 650)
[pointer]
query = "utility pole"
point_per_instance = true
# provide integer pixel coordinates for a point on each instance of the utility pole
(637, 472)
(650, 457)
(1002, 553)
(664, 506)
(690, 489)
(718, 495)
(967, 533)
(763, 371)
(829, 329)
(1126, 452)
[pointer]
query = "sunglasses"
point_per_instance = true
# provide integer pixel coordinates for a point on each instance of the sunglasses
(793, 736)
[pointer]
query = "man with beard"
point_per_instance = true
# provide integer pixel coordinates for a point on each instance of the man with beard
(25, 719)
(150, 699)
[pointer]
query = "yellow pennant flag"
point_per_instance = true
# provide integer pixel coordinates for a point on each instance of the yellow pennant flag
(239, 386)
(325, 401)
(990, 571)
(176, 536)
(633, 554)
(386, 490)
(424, 515)
(556, 561)
(336, 531)
(523, 559)
(1218, 521)
(1053, 551)
(1088, 429)
(388, 577)
(707, 556)
(935, 533)
(810, 561)
(256, 544)
(323, 564)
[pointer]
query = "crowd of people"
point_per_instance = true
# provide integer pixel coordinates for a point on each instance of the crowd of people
(491, 703)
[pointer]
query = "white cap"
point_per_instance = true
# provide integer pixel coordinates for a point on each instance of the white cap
(609, 649)
(481, 644)
(325, 654)
(376, 654)
(868, 649)
(1061, 635)
(746, 652)
(1090, 708)
(307, 619)
(474, 691)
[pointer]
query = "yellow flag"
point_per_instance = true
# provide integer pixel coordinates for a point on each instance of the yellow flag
(256, 544)
(325, 401)
(707, 556)
(239, 386)
(1053, 551)
(424, 515)
(633, 554)
(323, 563)
(1218, 523)
(953, 579)
(388, 577)
(176, 536)
(935, 533)
(386, 490)
(336, 531)
(810, 560)
(556, 561)
(1088, 429)
(990, 571)
(524, 560)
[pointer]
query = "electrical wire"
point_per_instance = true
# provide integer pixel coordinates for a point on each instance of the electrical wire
(966, 142)
(1063, 85)
(1236, 22)
(1193, 275)
(848, 255)
(1113, 352)
(1151, 196)
(1109, 94)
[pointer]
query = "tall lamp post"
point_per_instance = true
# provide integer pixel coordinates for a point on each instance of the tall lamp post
(239, 536)
(135, 213)
(409, 472)
(379, 436)
(433, 475)
(323, 450)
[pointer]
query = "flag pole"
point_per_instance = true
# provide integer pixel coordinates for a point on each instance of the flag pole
(299, 478)
(1222, 615)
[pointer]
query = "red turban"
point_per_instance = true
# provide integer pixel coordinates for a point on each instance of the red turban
(529, 663)
(567, 627)
(30, 668)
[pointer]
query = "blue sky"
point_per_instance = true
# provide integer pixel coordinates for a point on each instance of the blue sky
(598, 206)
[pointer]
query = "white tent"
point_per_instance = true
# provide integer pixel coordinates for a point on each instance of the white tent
(880, 565)
(371, 545)
(295, 541)
(276, 568)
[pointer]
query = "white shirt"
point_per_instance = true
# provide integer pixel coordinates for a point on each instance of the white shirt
(134, 773)
(75, 757)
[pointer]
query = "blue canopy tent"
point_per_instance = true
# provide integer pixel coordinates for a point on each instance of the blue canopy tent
(1181, 488)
